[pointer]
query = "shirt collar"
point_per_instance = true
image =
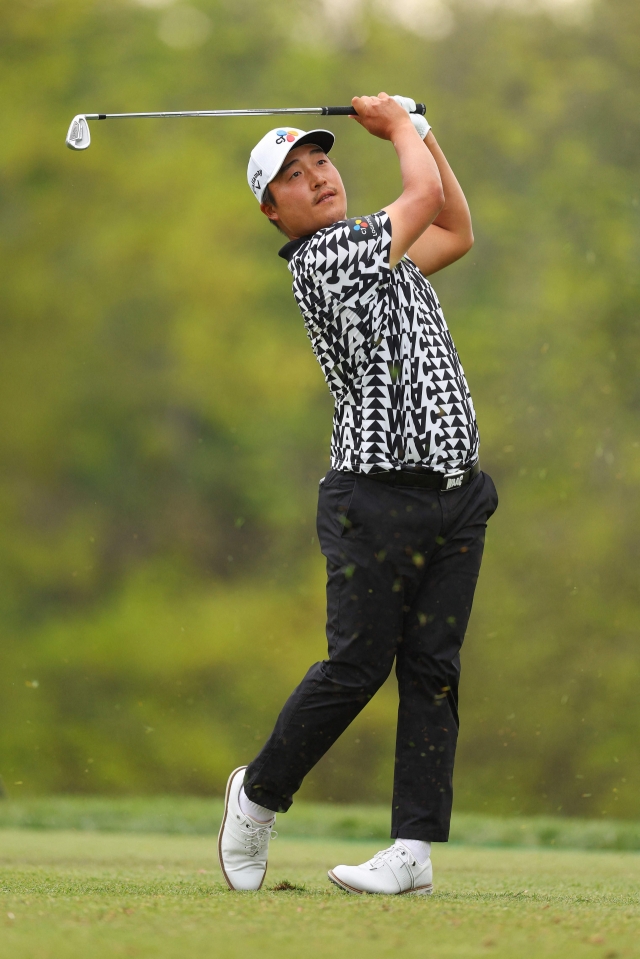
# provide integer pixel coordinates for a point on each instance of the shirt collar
(292, 247)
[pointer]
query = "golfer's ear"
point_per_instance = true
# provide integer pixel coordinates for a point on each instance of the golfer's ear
(269, 211)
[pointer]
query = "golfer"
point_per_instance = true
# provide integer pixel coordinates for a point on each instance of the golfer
(402, 511)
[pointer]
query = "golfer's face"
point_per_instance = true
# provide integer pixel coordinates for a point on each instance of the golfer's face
(308, 191)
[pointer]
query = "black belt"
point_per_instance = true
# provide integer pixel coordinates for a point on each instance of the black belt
(426, 479)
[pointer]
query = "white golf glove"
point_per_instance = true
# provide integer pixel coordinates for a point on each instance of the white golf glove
(420, 123)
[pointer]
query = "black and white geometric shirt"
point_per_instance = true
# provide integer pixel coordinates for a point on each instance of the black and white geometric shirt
(400, 393)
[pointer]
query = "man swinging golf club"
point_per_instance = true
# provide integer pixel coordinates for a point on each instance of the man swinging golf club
(402, 511)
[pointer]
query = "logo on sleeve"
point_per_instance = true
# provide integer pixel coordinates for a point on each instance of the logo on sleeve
(361, 229)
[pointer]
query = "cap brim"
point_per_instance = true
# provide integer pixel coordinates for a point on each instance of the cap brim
(324, 139)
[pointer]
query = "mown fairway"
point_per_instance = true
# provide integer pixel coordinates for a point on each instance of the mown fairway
(93, 895)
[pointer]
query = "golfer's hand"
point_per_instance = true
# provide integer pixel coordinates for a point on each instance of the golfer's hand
(421, 123)
(382, 115)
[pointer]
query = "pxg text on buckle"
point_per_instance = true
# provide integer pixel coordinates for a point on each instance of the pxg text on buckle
(454, 481)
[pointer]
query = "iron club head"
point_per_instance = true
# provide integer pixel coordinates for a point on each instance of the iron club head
(78, 137)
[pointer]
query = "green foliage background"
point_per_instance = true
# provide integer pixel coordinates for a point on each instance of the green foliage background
(164, 423)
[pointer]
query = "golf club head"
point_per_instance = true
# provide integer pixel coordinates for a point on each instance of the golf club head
(78, 137)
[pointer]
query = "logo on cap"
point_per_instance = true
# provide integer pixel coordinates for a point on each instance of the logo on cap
(288, 135)
(255, 183)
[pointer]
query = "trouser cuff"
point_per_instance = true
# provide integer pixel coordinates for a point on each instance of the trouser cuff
(266, 797)
(424, 834)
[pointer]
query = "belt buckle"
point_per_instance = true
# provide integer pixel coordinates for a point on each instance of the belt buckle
(454, 481)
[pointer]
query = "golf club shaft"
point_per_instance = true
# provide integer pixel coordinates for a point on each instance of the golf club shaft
(266, 111)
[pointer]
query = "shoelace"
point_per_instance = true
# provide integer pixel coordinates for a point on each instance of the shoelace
(390, 853)
(256, 838)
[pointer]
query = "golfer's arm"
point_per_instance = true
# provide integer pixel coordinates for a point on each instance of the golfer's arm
(422, 195)
(450, 235)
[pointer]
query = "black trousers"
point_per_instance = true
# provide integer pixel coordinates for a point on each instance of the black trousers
(402, 568)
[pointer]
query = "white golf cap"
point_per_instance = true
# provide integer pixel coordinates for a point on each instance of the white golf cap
(270, 153)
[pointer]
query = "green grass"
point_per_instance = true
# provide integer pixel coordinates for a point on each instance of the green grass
(197, 816)
(71, 894)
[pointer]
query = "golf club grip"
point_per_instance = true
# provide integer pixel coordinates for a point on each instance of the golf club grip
(351, 111)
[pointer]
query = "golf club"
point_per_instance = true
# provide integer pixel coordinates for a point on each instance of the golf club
(79, 137)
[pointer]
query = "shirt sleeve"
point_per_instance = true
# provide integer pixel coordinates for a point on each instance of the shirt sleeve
(351, 258)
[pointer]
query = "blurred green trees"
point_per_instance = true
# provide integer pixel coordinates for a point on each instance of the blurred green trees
(164, 423)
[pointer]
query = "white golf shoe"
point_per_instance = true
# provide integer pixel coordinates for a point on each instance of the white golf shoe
(243, 843)
(392, 872)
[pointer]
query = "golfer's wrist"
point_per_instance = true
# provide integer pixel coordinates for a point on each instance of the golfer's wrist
(403, 133)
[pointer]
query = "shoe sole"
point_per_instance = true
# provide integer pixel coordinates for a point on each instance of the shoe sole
(224, 819)
(418, 891)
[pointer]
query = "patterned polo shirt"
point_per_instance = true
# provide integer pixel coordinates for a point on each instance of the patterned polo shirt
(401, 397)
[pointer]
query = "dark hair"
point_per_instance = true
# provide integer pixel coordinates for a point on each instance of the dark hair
(267, 197)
